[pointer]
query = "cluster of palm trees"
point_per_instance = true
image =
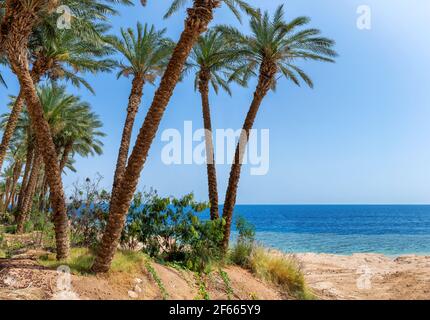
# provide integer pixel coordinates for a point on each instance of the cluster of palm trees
(46, 126)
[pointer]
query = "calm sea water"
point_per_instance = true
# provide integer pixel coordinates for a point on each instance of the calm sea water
(341, 229)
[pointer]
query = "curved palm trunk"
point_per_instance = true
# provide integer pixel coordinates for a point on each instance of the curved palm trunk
(210, 159)
(39, 68)
(27, 169)
(29, 193)
(198, 19)
(265, 80)
(17, 168)
(6, 194)
(133, 106)
(10, 126)
(65, 157)
(16, 43)
(42, 198)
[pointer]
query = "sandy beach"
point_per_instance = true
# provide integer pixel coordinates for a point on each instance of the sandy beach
(367, 276)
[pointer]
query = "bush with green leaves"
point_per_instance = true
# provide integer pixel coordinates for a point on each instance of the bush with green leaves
(242, 250)
(171, 230)
(88, 210)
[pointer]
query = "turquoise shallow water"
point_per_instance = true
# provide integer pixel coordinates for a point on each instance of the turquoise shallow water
(341, 229)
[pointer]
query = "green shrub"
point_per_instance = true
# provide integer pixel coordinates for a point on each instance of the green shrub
(245, 243)
(171, 231)
(88, 210)
(11, 229)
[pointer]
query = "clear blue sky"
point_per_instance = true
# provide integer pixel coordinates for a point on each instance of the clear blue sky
(361, 136)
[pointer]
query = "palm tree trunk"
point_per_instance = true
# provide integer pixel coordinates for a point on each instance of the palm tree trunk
(39, 68)
(65, 157)
(6, 193)
(16, 44)
(17, 168)
(29, 193)
(210, 158)
(27, 169)
(198, 19)
(42, 199)
(265, 80)
(132, 109)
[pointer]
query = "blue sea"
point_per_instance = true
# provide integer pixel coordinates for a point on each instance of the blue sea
(341, 229)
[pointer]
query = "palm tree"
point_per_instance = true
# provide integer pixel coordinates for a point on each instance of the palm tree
(71, 123)
(273, 49)
(214, 61)
(199, 16)
(60, 55)
(20, 18)
(147, 53)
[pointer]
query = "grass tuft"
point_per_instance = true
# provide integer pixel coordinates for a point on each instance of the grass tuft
(81, 260)
(281, 270)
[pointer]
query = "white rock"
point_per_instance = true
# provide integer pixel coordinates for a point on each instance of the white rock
(137, 289)
(133, 295)
(65, 295)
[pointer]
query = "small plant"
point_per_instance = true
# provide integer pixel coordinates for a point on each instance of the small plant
(41, 229)
(253, 296)
(203, 293)
(2, 253)
(11, 229)
(227, 282)
(242, 250)
(157, 280)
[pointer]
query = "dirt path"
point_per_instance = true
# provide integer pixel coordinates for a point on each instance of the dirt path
(367, 276)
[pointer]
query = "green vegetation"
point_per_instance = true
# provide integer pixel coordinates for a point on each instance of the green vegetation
(157, 280)
(47, 127)
(227, 282)
(81, 259)
(203, 293)
(242, 250)
(279, 269)
(2, 252)
(171, 231)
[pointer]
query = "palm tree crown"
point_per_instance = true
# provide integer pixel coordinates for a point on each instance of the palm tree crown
(211, 57)
(146, 51)
(70, 119)
(280, 43)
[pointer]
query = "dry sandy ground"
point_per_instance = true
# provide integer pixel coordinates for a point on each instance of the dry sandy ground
(22, 278)
(360, 276)
(367, 276)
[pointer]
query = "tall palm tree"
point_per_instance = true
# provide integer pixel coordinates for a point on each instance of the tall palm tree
(214, 62)
(20, 18)
(147, 53)
(273, 49)
(199, 16)
(71, 122)
(57, 55)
